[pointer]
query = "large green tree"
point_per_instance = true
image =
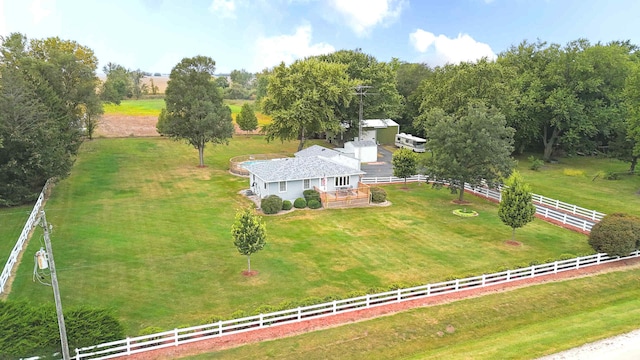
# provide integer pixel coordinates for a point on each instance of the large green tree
(194, 109)
(249, 234)
(305, 98)
(516, 208)
(409, 76)
(118, 84)
(49, 89)
(473, 148)
(626, 145)
(381, 98)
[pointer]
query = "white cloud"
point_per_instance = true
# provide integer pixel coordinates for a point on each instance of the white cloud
(270, 51)
(223, 8)
(450, 50)
(364, 15)
(41, 9)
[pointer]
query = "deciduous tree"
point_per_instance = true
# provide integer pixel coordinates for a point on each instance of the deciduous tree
(404, 163)
(247, 119)
(516, 208)
(249, 234)
(305, 98)
(194, 109)
(472, 148)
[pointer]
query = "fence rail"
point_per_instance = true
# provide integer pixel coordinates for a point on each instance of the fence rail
(22, 239)
(551, 209)
(177, 337)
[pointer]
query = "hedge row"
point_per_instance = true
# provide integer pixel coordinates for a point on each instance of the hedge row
(28, 330)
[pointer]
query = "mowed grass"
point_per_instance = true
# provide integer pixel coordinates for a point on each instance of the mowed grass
(520, 324)
(12, 221)
(580, 181)
(140, 229)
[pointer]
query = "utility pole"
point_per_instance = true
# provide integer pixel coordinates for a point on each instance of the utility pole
(360, 90)
(56, 290)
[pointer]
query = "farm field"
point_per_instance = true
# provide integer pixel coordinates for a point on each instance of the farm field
(580, 181)
(140, 229)
(525, 323)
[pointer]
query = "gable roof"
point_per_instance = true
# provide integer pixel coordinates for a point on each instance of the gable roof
(378, 123)
(298, 168)
(316, 150)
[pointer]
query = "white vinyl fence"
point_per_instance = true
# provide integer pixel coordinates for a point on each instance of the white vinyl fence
(552, 209)
(22, 239)
(177, 337)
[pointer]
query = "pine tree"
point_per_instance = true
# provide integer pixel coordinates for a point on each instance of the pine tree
(247, 119)
(249, 233)
(516, 208)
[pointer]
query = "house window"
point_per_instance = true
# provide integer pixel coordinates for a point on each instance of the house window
(265, 186)
(283, 186)
(305, 184)
(342, 181)
(254, 177)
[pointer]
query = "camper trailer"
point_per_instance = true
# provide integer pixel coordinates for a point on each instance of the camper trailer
(410, 142)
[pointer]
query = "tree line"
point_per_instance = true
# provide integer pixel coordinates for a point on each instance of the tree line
(47, 96)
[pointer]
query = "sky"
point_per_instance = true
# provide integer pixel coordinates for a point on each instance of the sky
(154, 35)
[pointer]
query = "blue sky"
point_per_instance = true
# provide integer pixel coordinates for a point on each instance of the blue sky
(154, 35)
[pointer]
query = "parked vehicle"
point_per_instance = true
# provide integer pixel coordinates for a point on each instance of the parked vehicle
(410, 142)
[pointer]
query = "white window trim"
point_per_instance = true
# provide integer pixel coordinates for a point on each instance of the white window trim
(280, 186)
(306, 184)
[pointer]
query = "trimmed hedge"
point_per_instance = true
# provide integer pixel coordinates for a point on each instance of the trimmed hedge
(314, 204)
(300, 203)
(271, 204)
(287, 205)
(28, 330)
(311, 195)
(378, 195)
(616, 234)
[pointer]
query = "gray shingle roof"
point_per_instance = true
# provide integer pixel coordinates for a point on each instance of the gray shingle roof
(316, 150)
(299, 168)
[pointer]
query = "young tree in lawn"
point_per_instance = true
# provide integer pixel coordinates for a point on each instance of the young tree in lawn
(305, 98)
(471, 148)
(516, 208)
(249, 234)
(194, 109)
(404, 163)
(247, 119)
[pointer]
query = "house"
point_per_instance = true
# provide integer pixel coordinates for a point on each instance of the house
(316, 167)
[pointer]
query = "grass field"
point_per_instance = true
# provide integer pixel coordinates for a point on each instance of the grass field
(521, 324)
(140, 229)
(12, 221)
(580, 181)
(152, 107)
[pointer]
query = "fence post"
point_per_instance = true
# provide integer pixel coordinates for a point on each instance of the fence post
(574, 209)
(593, 216)
(598, 259)
(220, 327)
(128, 345)
(428, 289)
(457, 284)
(557, 203)
(508, 274)
(77, 354)
(484, 279)
(546, 212)
(261, 320)
(399, 295)
(335, 306)
(564, 218)
(577, 263)
(555, 267)
(175, 334)
(299, 313)
(368, 299)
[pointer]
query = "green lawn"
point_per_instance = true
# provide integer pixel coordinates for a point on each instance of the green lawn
(579, 180)
(12, 221)
(525, 323)
(140, 229)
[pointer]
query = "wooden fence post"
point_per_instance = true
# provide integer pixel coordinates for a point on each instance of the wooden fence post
(128, 345)
(175, 335)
